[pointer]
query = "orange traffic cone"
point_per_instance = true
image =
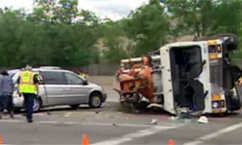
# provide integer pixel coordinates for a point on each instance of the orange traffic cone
(171, 142)
(1, 141)
(85, 140)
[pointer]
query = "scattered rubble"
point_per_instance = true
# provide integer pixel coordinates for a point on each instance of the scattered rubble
(203, 120)
(154, 121)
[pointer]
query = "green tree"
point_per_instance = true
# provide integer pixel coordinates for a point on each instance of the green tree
(34, 44)
(148, 26)
(10, 21)
(195, 16)
(115, 41)
(227, 17)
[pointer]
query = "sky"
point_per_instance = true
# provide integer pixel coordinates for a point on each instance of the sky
(114, 9)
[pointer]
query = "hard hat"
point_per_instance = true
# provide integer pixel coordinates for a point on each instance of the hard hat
(28, 67)
(203, 119)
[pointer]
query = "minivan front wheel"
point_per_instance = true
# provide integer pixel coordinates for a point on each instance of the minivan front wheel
(95, 100)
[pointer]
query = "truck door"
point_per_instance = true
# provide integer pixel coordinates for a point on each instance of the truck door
(186, 66)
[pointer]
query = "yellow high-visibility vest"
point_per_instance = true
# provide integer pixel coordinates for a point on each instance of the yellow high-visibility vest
(26, 84)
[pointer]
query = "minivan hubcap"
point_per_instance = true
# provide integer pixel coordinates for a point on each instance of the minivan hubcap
(96, 101)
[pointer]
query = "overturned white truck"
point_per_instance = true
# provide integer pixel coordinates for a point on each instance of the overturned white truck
(196, 76)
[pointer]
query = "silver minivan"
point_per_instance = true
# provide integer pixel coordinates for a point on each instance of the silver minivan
(62, 87)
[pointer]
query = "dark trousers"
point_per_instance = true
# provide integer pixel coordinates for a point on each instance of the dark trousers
(6, 102)
(28, 103)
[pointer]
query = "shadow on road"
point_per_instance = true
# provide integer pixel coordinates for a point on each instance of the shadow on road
(64, 109)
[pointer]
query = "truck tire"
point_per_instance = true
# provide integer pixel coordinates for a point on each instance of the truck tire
(95, 100)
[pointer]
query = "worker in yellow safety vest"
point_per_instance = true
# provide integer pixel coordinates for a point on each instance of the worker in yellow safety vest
(28, 87)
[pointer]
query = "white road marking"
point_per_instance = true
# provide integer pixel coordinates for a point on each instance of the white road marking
(116, 141)
(215, 134)
(86, 123)
(131, 136)
(47, 122)
(67, 114)
(121, 125)
(12, 121)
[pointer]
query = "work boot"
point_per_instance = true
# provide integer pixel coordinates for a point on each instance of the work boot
(29, 120)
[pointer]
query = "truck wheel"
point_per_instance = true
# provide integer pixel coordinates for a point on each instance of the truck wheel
(95, 100)
(37, 105)
(75, 106)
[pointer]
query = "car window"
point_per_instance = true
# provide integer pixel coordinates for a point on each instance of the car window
(53, 77)
(73, 79)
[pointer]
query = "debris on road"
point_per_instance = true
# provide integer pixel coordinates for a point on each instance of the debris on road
(154, 121)
(173, 118)
(203, 120)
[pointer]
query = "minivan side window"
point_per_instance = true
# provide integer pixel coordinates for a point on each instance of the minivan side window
(52, 77)
(73, 79)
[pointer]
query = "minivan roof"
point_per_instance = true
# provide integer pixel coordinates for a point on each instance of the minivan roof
(49, 70)
(50, 67)
(52, 70)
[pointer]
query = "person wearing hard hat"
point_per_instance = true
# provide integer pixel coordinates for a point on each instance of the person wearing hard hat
(28, 87)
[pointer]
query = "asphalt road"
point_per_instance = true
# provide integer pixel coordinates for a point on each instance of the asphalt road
(110, 126)
(103, 127)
